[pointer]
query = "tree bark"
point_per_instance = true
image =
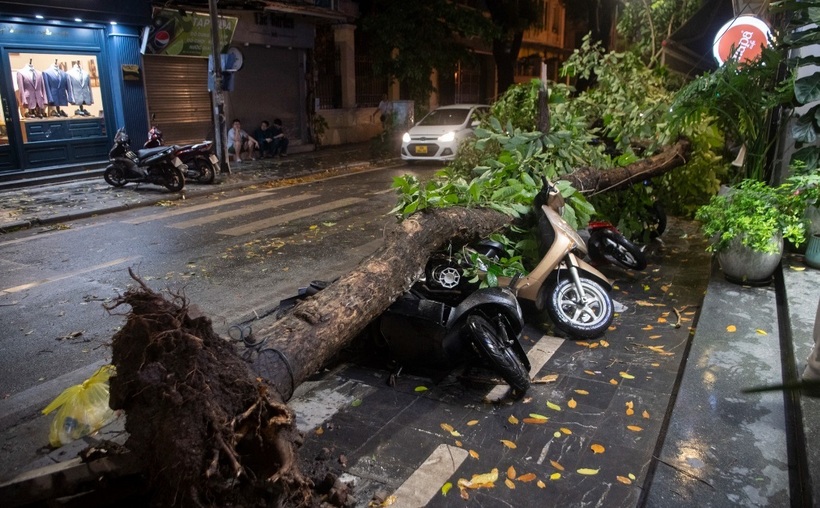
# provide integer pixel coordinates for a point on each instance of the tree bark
(319, 327)
(594, 181)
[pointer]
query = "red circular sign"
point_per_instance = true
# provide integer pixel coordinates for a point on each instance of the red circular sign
(741, 39)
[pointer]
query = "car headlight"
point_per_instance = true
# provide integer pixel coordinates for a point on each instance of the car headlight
(406, 137)
(447, 137)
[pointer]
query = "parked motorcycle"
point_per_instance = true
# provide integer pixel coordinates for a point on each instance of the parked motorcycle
(158, 166)
(437, 329)
(607, 244)
(198, 158)
(575, 294)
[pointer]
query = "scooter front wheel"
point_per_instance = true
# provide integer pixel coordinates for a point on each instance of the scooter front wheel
(174, 180)
(115, 175)
(492, 346)
(584, 316)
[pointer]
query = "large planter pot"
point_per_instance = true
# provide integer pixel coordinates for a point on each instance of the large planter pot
(742, 265)
(812, 257)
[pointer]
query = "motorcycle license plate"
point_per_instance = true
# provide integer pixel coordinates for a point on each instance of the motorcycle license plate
(214, 159)
(176, 162)
(422, 149)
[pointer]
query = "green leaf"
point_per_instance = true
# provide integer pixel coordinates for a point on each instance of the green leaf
(803, 129)
(807, 89)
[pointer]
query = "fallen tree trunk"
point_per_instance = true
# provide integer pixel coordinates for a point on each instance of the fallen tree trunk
(321, 326)
(594, 181)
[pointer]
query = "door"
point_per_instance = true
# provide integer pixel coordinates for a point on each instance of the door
(8, 155)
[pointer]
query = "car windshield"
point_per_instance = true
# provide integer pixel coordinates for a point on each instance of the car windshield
(445, 117)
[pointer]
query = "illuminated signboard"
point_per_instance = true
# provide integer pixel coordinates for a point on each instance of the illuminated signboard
(741, 39)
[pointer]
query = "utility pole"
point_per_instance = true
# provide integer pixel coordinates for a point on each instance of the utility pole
(218, 100)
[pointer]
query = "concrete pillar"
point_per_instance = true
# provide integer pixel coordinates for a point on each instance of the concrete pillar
(344, 39)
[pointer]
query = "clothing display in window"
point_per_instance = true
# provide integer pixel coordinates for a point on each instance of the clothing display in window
(56, 83)
(32, 88)
(79, 86)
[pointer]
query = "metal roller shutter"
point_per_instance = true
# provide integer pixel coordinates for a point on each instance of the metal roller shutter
(177, 93)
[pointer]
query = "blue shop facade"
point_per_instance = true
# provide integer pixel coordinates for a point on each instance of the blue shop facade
(69, 78)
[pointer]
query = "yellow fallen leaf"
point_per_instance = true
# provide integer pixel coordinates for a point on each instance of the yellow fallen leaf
(421, 389)
(512, 419)
(538, 416)
(626, 375)
(582, 343)
(593, 345)
(761, 332)
(320, 431)
(596, 448)
(509, 483)
(557, 434)
(613, 382)
(731, 328)
(661, 320)
(630, 404)
(581, 392)
(446, 488)
(555, 476)
(588, 471)
(541, 484)
(525, 478)
(604, 343)
(645, 413)
(455, 433)
(556, 465)
(630, 411)
(631, 476)
(572, 404)
(589, 372)
(447, 427)
(511, 473)
(472, 422)
(612, 327)
(480, 480)
(566, 431)
(653, 337)
(634, 428)
(464, 494)
(508, 444)
(313, 227)
(797, 268)
(648, 327)
(664, 288)
(554, 407)
(459, 443)
(535, 421)
(549, 378)
(624, 480)
(473, 454)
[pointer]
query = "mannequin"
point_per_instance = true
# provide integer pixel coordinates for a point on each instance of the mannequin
(32, 91)
(56, 84)
(79, 89)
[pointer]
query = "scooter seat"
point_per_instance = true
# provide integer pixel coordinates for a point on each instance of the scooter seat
(142, 153)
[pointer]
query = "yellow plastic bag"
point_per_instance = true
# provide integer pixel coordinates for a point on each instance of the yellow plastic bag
(81, 409)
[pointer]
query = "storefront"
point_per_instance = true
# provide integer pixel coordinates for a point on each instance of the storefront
(67, 82)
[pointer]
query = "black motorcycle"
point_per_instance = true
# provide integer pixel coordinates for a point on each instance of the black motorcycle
(201, 163)
(157, 166)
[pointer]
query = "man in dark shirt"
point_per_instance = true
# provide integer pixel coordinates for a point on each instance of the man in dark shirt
(280, 141)
(264, 135)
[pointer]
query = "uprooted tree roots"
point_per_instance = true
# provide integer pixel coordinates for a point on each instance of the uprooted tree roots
(206, 431)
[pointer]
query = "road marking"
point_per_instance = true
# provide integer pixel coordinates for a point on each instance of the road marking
(274, 221)
(426, 481)
(314, 405)
(540, 353)
(23, 287)
(49, 233)
(196, 208)
(241, 211)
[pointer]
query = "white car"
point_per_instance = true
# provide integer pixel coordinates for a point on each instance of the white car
(436, 136)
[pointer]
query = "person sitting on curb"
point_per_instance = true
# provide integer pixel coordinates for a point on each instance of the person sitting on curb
(280, 141)
(240, 142)
(264, 136)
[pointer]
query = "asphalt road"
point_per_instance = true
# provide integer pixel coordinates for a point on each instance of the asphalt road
(232, 254)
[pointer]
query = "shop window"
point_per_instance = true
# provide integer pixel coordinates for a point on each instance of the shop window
(58, 95)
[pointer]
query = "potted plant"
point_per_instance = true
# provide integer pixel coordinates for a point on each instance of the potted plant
(747, 226)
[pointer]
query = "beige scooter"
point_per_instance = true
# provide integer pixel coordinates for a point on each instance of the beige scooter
(575, 294)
